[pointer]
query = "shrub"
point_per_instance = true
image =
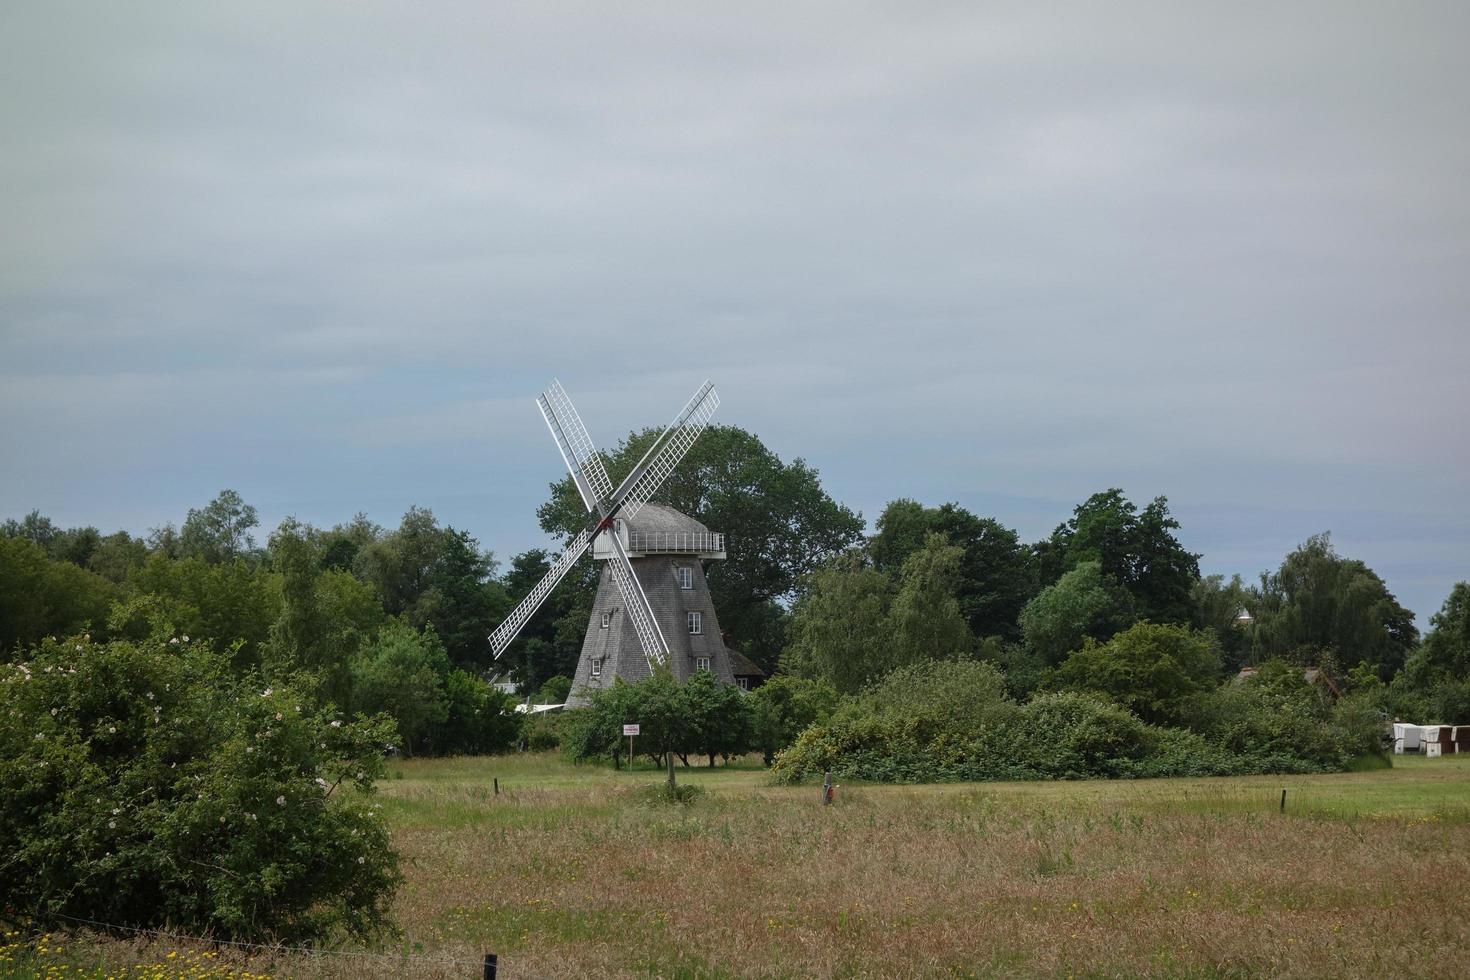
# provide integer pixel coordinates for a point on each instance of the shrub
(783, 706)
(951, 721)
(141, 784)
(1151, 669)
(546, 731)
(479, 719)
(699, 716)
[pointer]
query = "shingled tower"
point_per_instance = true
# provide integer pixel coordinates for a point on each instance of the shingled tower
(668, 551)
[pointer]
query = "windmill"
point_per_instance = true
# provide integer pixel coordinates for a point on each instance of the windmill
(609, 510)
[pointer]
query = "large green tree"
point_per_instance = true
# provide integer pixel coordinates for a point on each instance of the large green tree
(991, 580)
(1085, 602)
(925, 615)
(219, 531)
(41, 597)
(1320, 600)
(1137, 549)
(325, 614)
(232, 603)
(1218, 603)
(435, 576)
(840, 630)
(402, 673)
(779, 523)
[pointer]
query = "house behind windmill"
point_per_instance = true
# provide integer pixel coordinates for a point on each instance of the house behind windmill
(668, 550)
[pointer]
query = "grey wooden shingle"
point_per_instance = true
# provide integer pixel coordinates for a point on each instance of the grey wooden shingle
(616, 647)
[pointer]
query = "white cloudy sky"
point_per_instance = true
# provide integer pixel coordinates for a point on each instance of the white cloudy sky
(327, 255)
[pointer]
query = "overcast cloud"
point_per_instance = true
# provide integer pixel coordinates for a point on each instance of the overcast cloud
(327, 256)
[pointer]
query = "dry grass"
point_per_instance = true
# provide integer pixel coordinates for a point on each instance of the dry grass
(570, 872)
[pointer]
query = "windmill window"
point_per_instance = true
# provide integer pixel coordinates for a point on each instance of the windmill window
(597, 668)
(701, 663)
(744, 683)
(686, 577)
(606, 620)
(696, 623)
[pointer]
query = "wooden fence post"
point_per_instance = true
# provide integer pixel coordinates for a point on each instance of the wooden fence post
(1283, 801)
(489, 973)
(670, 757)
(497, 785)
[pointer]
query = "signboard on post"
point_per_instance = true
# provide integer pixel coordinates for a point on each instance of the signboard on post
(630, 731)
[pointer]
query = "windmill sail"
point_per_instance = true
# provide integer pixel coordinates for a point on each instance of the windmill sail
(602, 502)
(507, 630)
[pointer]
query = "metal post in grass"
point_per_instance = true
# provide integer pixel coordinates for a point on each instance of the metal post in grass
(489, 973)
(1283, 801)
(827, 788)
(496, 781)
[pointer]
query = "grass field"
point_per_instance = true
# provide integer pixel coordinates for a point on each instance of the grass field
(578, 871)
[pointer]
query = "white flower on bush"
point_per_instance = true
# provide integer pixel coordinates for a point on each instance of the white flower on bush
(362, 775)
(278, 716)
(112, 729)
(112, 824)
(53, 712)
(149, 696)
(116, 811)
(40, 737)
(336, 724)
(174, 642)
(280, 801)
(186, 637)
(249, 749)
(321, 782)
(267, 692)
(361, 859)
(79, 646)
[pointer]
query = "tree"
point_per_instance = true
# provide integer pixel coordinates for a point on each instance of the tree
(718, 717)
(35, 526)
(1136, 549)
(118, 556)
(436, 577)
(478, 718)
(1217, 606)
(551, 642)
(991, 580)
(1434, 683)
(325, 614)
(783, 706)
(40, 597)
(925, 616)
(232, 603)
(1151, 669)
(780, 523)
(840, 630)
(401, 673)
(220, 532)
(556, 690)
(1447, 647)
(1319, 599)
(1084, 602)
(340, 546)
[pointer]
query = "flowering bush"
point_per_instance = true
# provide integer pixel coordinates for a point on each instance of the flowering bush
(142, 783)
